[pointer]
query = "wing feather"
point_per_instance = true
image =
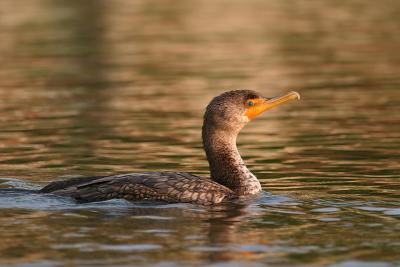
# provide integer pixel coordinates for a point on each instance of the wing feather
(165, 186)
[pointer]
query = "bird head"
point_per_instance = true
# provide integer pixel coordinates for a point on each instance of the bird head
(232, 110)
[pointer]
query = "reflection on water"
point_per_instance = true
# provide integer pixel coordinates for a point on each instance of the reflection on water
(101, 87)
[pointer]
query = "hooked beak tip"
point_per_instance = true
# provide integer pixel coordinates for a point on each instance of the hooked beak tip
(295, 95)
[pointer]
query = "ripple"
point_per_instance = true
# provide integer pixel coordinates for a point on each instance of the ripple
(395, 212)
(326, 210)
(90, 247)
(361, 264)
(329, 219)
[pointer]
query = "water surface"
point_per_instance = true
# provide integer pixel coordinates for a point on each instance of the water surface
(104, 87)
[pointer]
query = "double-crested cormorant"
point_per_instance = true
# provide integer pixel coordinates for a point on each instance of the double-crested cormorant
(225, 116)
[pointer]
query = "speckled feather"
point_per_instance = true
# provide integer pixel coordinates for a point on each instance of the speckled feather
(162, 186)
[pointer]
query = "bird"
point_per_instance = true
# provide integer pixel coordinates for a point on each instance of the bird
(230, 179)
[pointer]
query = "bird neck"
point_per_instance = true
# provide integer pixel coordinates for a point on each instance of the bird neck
(226, 165)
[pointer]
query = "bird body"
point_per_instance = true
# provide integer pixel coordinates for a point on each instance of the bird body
(157, 186)
(229, 178)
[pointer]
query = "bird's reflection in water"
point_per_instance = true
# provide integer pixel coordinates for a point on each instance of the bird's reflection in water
(218, 239)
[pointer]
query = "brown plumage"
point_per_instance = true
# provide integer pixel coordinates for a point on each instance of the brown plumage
(225, 116)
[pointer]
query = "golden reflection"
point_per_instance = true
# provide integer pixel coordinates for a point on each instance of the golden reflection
(81, 86)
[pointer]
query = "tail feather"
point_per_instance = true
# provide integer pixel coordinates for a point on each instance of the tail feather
(59, 185)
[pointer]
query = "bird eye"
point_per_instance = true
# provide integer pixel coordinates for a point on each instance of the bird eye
(250, 103)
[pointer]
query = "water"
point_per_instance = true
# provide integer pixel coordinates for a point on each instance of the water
(103, 87)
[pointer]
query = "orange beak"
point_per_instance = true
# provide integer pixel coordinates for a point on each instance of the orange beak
(260, 105)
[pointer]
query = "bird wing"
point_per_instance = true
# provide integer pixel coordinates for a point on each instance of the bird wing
(164, 186)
